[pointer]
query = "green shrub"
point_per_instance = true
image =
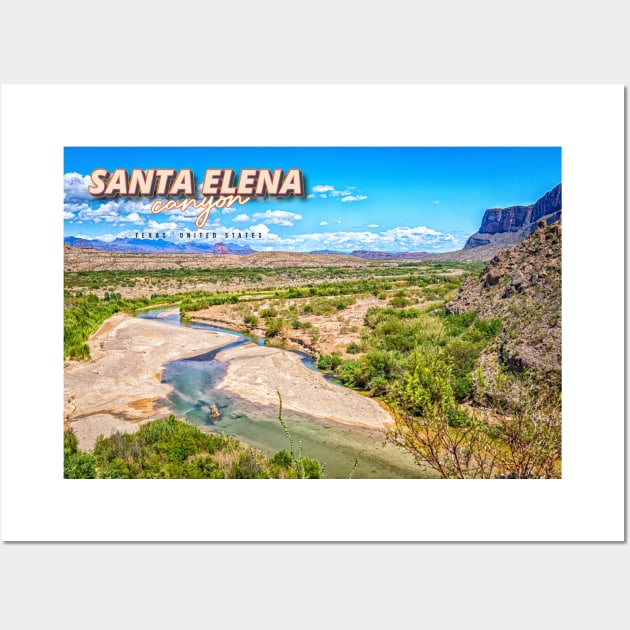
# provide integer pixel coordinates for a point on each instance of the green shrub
(399, 302)
(76, 465)
(248, 466)
(274, 326)
(203, 467)
(321, 306)
(324, 362)
(353, 348)
(174, 449)
(70, 442)
(343, 302)
(116, 469)
(282, 458)
(350, 373)
(329, 362)
(312, 468)
(79, 466)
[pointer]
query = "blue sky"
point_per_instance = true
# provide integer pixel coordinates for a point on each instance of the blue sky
(377, 198)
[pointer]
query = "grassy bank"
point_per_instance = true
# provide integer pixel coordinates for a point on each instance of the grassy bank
(174, 449)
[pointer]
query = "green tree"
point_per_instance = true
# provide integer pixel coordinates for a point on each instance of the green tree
(514, 432)
(425, 414)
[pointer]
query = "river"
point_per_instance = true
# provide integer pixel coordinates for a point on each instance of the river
(194, 382)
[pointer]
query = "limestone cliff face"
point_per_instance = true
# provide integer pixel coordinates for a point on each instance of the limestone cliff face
(511, 225)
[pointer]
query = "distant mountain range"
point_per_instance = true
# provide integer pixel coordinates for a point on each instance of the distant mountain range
(161, 246)
(362, 253)
(158, 246)
(373, 255)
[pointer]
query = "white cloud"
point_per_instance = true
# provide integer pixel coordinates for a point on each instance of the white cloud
(75, 207)
(277, 217)
(190, 212)
(323, 222)
(75, 187)
(112, 211)
(353, 198)
(241, 218)
(325, 191)
(234, 207)
(132, 233)
(67, 215)
(108, 238)
(185, 218)
(373, 225)
(266, 232)
(420, 238)
(134, 217)
(154, 225)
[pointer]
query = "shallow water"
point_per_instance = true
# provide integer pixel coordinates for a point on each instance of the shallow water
(195, 379)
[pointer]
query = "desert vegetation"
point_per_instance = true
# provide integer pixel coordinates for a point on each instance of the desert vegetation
(175, 449)
(90, 297)
(451, 360)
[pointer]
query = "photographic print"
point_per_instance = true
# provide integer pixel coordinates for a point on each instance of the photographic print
(371, 287)
(386, 312)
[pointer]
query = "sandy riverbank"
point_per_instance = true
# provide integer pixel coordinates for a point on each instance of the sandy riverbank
(334, 334)
(256, 372)
(123, 376)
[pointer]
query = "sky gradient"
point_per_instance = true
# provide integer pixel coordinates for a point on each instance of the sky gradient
(376, 198)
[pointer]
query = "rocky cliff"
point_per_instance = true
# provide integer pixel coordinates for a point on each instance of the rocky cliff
(507, 226)
(521, 286)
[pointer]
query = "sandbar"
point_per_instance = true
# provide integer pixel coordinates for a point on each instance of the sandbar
(119, 387)
(256, 373)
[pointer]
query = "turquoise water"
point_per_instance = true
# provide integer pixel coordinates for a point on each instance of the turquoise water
(194, 382)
